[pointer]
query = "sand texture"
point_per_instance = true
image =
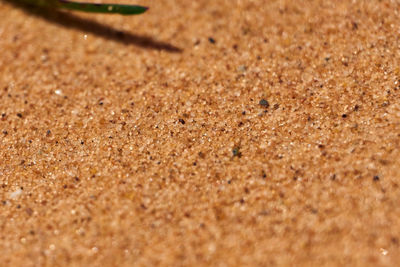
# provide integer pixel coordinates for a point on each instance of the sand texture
(201, 133)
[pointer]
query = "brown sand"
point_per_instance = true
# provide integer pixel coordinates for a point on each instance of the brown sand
(141, 141)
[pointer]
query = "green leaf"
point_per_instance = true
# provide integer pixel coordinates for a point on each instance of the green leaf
(103, 8)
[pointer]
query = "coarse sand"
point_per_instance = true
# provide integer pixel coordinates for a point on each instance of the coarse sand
(201, 133)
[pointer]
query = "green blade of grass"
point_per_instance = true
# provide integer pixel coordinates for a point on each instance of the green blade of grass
(103, 8)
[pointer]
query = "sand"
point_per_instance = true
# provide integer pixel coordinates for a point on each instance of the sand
(202, 133)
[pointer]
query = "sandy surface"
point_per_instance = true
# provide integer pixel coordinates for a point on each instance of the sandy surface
(222, 133)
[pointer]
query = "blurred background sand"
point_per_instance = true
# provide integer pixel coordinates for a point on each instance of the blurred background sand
(213, 133)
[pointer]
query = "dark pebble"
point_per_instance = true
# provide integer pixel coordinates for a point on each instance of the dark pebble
(236, 152)
(264, 103)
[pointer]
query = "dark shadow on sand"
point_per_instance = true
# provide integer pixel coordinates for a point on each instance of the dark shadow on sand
(72, 21)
